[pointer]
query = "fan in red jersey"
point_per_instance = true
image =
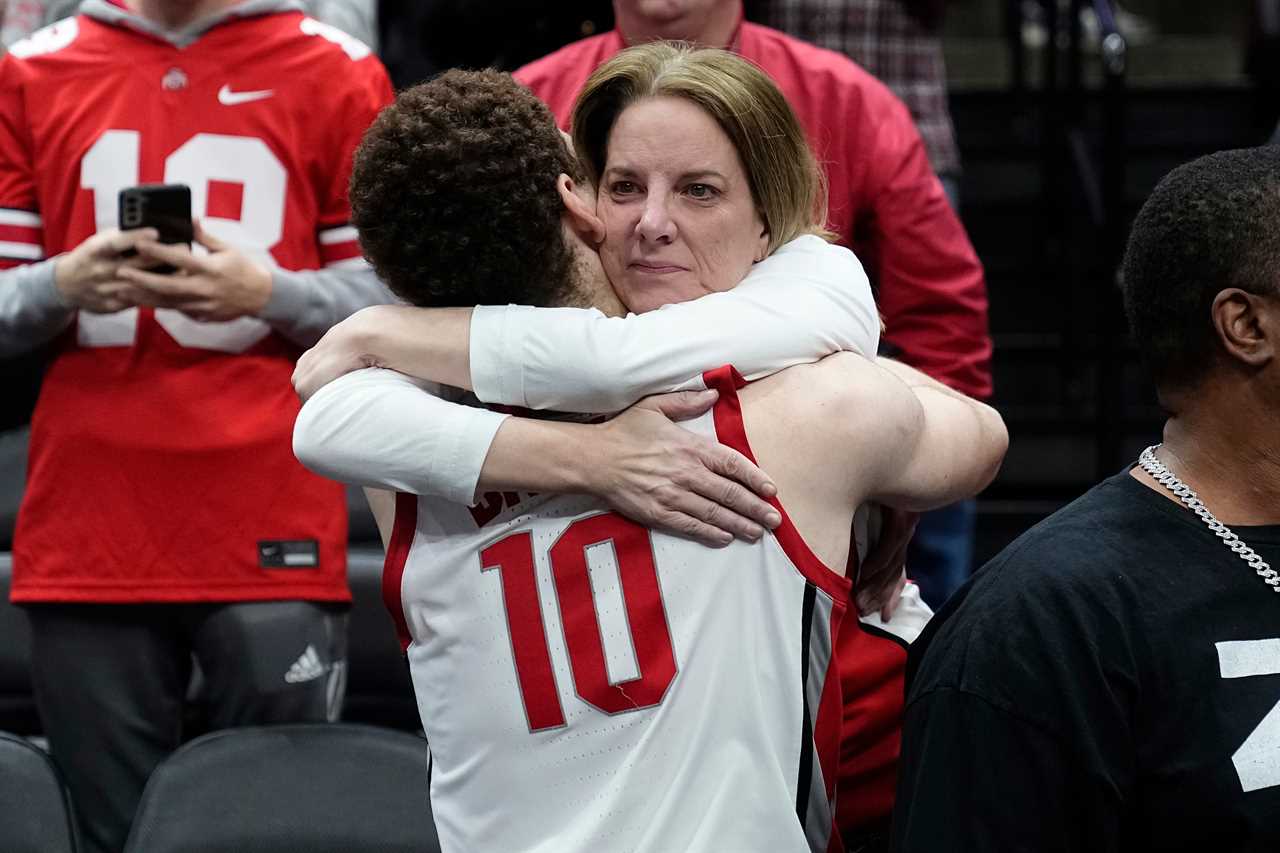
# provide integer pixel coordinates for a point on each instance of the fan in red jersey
(161, 479)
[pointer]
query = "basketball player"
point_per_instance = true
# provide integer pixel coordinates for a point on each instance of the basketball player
(568, 661)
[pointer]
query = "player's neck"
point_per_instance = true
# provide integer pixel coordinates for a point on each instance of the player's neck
(1227, 454)
(713, 28)
(178, 14)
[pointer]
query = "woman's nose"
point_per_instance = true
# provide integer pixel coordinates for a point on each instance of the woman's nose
(656, 224)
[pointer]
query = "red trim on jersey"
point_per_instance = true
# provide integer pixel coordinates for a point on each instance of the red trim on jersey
(732, 432)
(828, 726)
(402, 533)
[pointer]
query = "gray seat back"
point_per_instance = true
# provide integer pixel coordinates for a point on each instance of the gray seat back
(35, 810)
(279, 789)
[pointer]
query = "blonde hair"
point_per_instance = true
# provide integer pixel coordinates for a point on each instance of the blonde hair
(786, 184)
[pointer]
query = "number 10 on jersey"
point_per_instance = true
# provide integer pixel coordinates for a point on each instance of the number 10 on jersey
(647, 625)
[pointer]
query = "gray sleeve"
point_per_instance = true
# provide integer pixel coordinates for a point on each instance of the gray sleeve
(56, 10)
(357, 18)
(305, 303)
(31, 310)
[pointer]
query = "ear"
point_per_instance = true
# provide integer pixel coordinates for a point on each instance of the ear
(582, 215)
(1247, 325)
(568, 143)
(762, 242)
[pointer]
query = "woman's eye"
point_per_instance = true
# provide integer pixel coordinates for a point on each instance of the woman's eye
(622, 187)
(702, 191)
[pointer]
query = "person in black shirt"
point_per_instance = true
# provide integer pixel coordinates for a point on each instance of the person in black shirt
(1111, 680)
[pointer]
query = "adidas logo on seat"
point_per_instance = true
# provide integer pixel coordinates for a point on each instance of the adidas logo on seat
(306, 668)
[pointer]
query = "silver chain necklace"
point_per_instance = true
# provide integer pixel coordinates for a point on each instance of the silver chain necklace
(1191, 501)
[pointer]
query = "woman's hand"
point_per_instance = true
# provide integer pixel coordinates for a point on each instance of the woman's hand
(668, 478)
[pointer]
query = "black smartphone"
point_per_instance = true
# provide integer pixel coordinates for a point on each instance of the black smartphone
(164, 207)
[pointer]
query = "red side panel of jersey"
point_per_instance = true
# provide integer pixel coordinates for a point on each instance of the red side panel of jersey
(403, 530)
(872, 668)
(860, 718)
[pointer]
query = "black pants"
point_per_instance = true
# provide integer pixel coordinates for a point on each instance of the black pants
(110, 682)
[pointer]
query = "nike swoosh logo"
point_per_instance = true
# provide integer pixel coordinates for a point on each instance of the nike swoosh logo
(230, 98)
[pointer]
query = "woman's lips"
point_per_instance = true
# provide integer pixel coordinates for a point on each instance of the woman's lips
(656, 269)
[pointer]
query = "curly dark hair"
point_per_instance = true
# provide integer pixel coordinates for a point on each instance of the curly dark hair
(1210, 224)
(453, 193)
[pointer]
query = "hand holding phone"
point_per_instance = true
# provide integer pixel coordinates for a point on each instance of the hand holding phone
(221, 283)
(164, 207)
(91, 277)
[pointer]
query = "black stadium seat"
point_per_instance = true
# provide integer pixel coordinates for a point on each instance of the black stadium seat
(286, 789)
(362, 530)
(13, 476)
(17, 703)
(379, 691)
(35, 811)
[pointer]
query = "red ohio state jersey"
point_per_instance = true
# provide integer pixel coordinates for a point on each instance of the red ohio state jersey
(160, 465)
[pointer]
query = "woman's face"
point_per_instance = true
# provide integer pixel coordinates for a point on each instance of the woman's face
(678, 214)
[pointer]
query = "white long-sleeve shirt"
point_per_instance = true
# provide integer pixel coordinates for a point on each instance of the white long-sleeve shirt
(380, 429)
(805, 301)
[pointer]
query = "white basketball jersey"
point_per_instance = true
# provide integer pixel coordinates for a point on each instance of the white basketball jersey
(589, 685)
